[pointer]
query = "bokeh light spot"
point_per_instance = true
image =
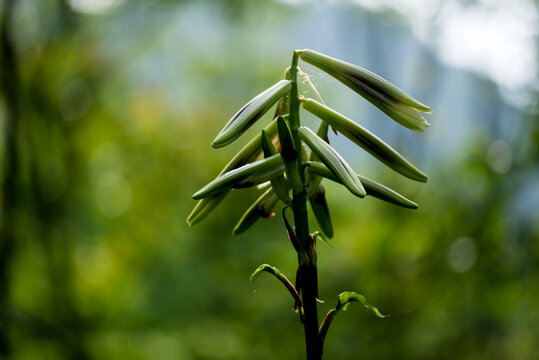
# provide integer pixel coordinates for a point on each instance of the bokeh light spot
(462, 255)
(97, 7)
(76, 100)
(499, 156)
(113, 194)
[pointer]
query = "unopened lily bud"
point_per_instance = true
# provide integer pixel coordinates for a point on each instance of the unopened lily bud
(372, 187)
(364, 138)
(250, 113)
(289, 153)
(263, 207)
(333, 161)
(381, 93)
(248, 175)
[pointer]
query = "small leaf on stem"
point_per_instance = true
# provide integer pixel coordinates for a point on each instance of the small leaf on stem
(291, 234)
(343, 301)
(275, 272)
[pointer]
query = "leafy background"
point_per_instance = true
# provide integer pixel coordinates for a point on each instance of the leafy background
(108, 110)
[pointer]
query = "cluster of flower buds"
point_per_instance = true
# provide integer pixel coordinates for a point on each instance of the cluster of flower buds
(290, 161)
(270, 158)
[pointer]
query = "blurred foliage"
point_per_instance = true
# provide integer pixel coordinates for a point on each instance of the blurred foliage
(107, 119)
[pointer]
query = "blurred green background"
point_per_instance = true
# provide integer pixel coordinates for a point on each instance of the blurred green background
(109, 106)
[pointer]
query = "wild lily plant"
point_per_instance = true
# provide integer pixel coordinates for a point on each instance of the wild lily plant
(292, 160)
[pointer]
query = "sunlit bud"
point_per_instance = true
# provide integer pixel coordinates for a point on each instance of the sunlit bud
(364, 138)
(333, 161)
(381, 93)
(250, 113)
(248, 175)
(249, 153)
(372, 187)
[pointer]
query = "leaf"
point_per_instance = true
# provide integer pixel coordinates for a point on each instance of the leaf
(381, 93)
(275, 272)
(364, 138)
(345, 298)
(248, 175)
(291, 234)
(372, 187)
(333, 161)
(250, 113)
(289, 153)
(343, 301)
(249, 153)
(318, 235)
(263, 207)
(317, 198)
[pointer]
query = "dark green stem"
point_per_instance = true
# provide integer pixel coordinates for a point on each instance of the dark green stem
(307, 259)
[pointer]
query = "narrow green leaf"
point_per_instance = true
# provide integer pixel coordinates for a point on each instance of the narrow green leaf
(289, 154)
(333, 161)
(275, 272)
(318, 235)
(248, 175)
(364, 138)
(291, 234)
(317, 198)
(250, 113)
(387, 97)
(343, 301)
(324, 327)
(263, 207)
(345, 298)
(372, 187)
(249, 153)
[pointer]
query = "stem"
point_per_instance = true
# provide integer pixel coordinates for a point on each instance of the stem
(306, 259)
